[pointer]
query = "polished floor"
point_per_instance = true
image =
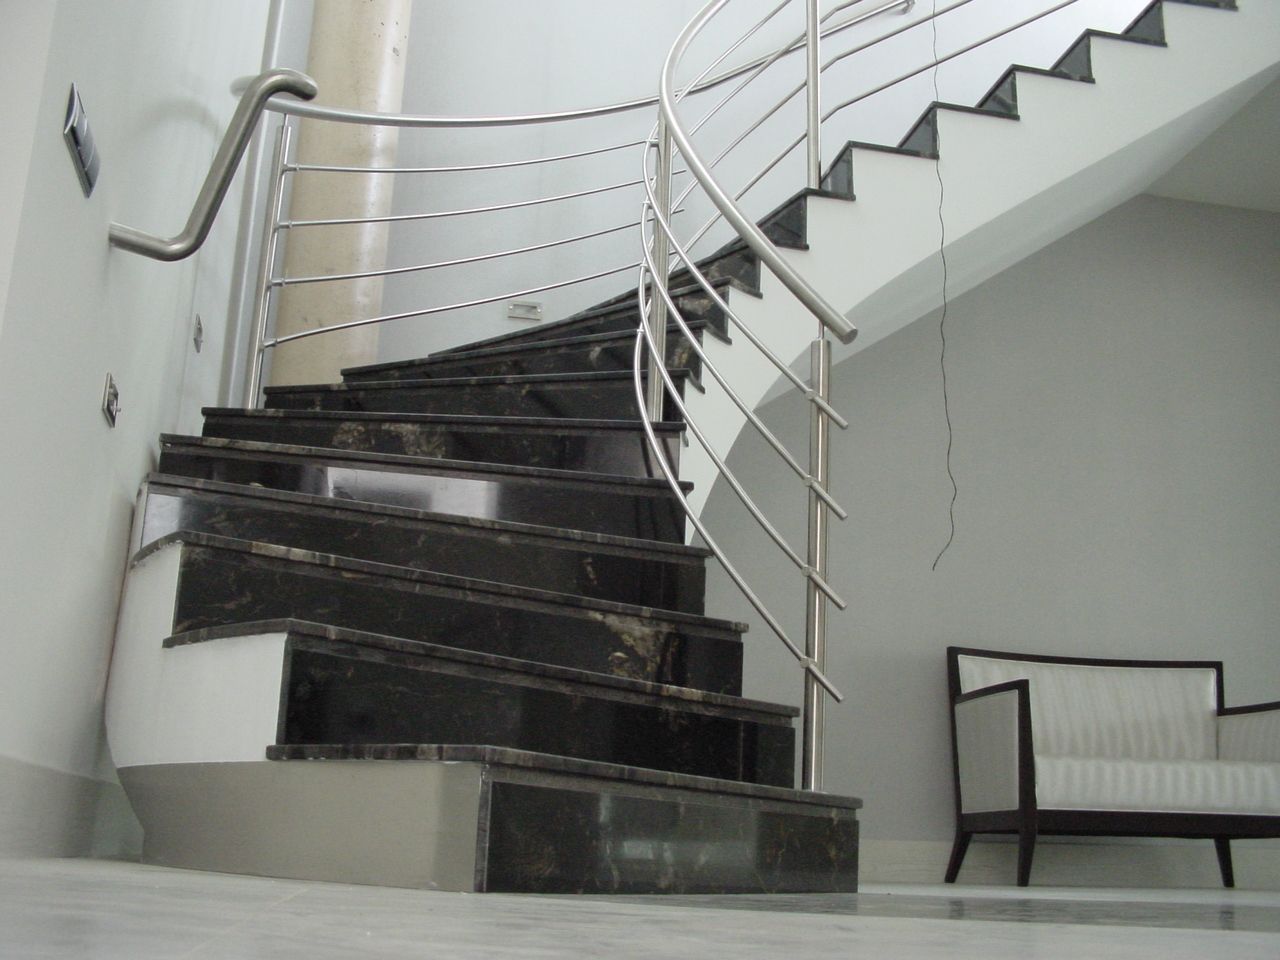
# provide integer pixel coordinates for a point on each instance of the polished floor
(97, 909)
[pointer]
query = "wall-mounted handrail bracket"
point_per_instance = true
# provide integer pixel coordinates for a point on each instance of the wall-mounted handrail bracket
(221, 170)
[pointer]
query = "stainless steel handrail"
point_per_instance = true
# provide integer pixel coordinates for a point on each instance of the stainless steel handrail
(753, 236)
(221, 170)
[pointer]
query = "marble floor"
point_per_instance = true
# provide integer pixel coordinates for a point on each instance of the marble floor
(99, 909)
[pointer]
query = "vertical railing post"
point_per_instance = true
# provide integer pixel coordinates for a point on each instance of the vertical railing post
(813, 100)
(266, 263)
(815, 600)
(655, 390)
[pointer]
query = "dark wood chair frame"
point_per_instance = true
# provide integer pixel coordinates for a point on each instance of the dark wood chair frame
(1028, 821)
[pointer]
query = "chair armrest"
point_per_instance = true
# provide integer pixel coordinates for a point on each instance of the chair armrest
(995, 767)
(1250, 733)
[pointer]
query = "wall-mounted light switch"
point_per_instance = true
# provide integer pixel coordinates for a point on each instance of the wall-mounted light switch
(84, 152)
(111, 400)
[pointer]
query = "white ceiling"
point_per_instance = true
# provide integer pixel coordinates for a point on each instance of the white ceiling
(1238, 165)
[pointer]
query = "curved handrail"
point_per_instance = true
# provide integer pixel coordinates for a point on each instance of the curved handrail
(221, 170)
(831, 318)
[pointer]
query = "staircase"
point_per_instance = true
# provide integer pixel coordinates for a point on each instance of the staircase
(437, 625)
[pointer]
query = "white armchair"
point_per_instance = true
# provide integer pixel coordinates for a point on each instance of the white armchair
(1066, 745)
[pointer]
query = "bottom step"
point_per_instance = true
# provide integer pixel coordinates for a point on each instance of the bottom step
(487, 819)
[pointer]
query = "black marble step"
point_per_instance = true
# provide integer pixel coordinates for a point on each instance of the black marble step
(591, 352)
(922, 138)
(608, 395)
(665, 575)
(560, 825)
(598, 446)
(349, 687)
(599, 503)
(620, 314)
(224, 581)
(1003, 95)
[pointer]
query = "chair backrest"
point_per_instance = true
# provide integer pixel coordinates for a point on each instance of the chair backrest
(1141, 710)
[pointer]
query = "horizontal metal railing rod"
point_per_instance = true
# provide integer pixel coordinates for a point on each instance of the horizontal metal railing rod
(951, 56)
(430, 311)
(757, 604)
(463, 168)
(443, 214)
(461, 261)
(751, 416)
(810, 394)
(337, 115)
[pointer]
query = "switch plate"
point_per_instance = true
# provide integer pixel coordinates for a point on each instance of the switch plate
(84, 152)
(111, 400)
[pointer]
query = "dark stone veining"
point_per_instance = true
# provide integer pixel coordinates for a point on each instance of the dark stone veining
(348, 693)
(224, 581)
(636, 572)
(598, 446)
(618, 506)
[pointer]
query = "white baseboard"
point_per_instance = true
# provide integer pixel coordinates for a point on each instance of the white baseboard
(1069, 861)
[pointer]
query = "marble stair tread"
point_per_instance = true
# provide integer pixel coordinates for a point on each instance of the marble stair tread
(590, 351)
(526, 760)
(223, 580)
(647, 572)
(605, 394)
(617, 314)
(624, 506)
(353, 688)
(615, 447)
(350, 687)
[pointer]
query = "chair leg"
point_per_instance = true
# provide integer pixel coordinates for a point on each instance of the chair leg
(1026, 847)
(958, 850)
(1223, 845)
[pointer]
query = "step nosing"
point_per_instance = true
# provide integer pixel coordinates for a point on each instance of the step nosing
(559, 424)
(444, 383)
(582, 538)
(447, 581)
(427, 650)
(514, 349)
(426, 464)
(551, 763)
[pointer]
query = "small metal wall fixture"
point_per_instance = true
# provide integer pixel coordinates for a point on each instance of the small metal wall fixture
(524, 310)
(80, 142)
(111, 400)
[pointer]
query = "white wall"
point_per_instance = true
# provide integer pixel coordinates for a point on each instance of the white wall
(1116, 410)
(155, 78)
(496, 58)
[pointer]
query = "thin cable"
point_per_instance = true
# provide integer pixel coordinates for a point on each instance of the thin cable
(942, 321)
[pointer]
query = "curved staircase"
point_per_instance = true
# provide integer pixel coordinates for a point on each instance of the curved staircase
(437, 625)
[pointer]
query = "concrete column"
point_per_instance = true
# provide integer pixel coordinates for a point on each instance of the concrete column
(357, 57)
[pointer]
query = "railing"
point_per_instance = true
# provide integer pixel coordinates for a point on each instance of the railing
(663, 250)
(672, 138)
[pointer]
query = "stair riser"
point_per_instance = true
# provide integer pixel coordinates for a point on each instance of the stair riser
(219, 587)
(621, 453)
(608, 356)
(352, 696)
(573, 506)
(490, 829)
(588, 399)
(495, 555)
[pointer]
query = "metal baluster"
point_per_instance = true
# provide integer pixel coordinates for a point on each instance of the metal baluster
(655, 393)
(813, 99)
(267, 253)
(815, 640)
